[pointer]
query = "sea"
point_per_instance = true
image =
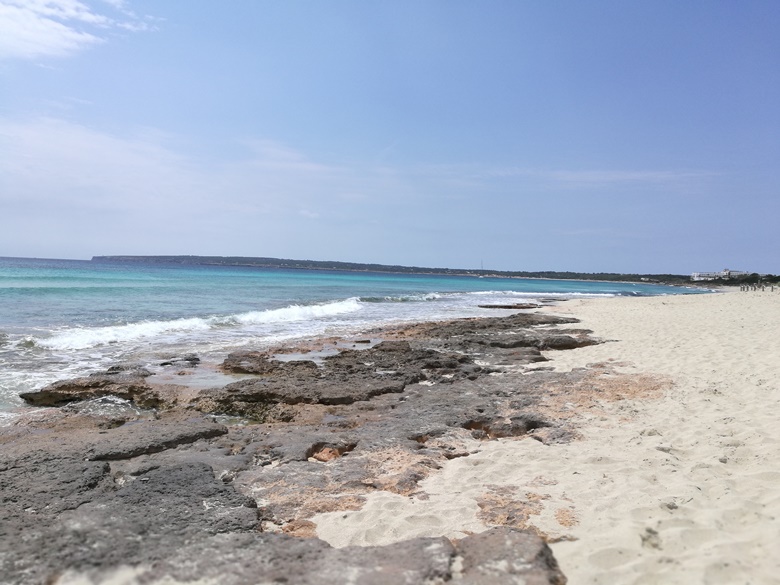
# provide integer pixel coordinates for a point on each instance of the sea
(66, 318)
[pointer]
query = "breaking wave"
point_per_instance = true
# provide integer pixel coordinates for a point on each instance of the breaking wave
(82, 338)
(404, 298)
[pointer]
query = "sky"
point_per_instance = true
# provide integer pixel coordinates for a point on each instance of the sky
(599, 136)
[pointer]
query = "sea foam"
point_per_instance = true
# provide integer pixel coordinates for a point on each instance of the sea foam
(86, 337)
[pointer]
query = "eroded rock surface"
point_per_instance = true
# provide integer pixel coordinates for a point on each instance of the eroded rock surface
(164, 490)
(65, 506)
(124, 382)
(500, 555)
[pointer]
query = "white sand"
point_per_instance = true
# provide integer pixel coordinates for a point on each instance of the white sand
(681, 488)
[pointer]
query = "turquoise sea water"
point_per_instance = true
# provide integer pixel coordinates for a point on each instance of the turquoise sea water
(65, 318)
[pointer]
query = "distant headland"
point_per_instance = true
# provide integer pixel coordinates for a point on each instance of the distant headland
(261, 262)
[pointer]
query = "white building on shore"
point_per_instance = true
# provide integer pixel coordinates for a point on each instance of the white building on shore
(725, 274)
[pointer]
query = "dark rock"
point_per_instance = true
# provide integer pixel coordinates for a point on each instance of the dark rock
(152, 436)
(484, 427)
(348, 377)
(528, 355)
(535, 340)
(459, 327)
(249, 362)
(327, 451)
(399, 439)
(505, 555)
(189, 360)
(517, 306)
(279, 559)
(503, 341)
(124, 382)
(300, 368)
(144, 521)
(561, 342)
(510, 341)
(132, 370)
(497, 556)
(259, 399)
(173, 494)
(61, 511)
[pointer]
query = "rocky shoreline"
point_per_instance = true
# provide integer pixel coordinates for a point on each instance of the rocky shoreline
(221, 484)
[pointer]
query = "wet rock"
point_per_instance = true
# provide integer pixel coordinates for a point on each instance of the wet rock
(348, 377)
(264, 364)
(249, 362)
(128, 383)
(189, 360)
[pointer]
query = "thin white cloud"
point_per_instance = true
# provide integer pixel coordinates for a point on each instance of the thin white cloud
(32, 29)
(57, 162)
(588, 178)
(53, 161)
(144, 192)
(270, 154)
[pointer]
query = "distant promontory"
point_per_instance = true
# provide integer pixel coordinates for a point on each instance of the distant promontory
(261, 262)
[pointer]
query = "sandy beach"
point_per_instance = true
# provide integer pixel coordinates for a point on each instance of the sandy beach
(675, 477)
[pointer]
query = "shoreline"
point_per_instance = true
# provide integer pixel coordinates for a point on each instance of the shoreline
(649, 457)
(35, 357)
(675, 485)
(321, 438)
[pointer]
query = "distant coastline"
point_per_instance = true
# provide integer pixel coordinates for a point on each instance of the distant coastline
(262, 262)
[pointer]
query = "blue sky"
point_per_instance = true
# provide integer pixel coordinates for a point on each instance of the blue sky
(519, 135)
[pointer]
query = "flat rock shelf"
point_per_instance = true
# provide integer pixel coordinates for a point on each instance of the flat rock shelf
(124, 478)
